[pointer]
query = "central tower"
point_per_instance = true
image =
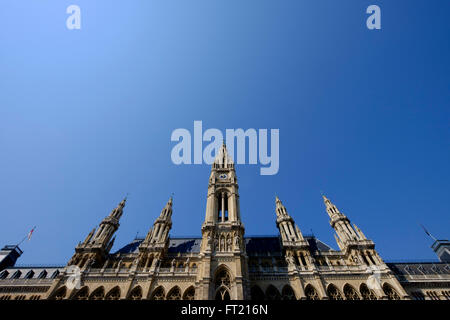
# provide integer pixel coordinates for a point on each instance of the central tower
(223, 273)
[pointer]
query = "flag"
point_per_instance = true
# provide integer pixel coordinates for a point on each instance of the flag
(31, 233)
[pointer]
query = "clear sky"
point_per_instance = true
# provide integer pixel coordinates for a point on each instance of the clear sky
(86, 116)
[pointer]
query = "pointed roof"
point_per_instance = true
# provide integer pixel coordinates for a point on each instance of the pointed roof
(223, 159)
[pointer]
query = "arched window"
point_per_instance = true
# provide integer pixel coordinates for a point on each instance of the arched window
(390, 292)
(350, 293)
(82, 294)
(136, 293)
(174, 294)
(60, 293)
(272, 293)
(222, 283)
(311, 293)
(366, 293)
(222, 208)
(333, 293)
(222, 294)
(97, 294)
(29, 275)
(223, 278)
(256, 293)
(158, 294)
(189, 294)
(288, 293)
(55, 274)
(113, 294)
(3, 275)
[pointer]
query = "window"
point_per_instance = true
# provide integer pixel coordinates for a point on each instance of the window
(311, 293)
(42, 275)
(390, 292)
(174, 294)
(158, 294)
(113, 294)
(333, 293)
(136, 293)
(366, 293)
(29, 275)
(189, 294)
(4, 274)
(350, 293)
(16, 275)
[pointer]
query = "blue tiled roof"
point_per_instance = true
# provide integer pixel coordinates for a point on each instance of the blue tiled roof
(255, 244)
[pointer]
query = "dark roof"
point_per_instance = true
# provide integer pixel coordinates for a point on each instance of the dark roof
(405, 268)
(253, 244)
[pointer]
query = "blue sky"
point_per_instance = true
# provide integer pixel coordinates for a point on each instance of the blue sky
(86, 116)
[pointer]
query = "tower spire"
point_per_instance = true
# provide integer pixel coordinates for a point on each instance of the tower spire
(290, 233)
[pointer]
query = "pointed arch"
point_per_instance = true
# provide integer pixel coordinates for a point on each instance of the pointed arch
(222, 276)
(97, 294)
(390, 292)
(113, 294)
(174, 294)
(222, 294)
(256, 293)
(366, 293)
(272, 293)
(311, 292)
(136, 293)
(158, 294)
(288, 293)
(333, 292)
(82, 294)
(189, 293)
(350, 292)
(59, 294)
(222, 283)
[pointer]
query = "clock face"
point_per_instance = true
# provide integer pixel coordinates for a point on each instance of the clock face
(223, 176)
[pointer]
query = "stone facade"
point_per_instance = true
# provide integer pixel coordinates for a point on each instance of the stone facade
(224, 264)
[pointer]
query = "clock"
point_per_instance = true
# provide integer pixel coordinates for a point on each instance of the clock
(223, 176)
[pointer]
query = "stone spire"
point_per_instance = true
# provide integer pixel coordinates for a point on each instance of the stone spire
(95, 248)
(289, 231)
(161, 227)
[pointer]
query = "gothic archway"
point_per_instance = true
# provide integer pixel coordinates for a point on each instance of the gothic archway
(390, 292)
(288, 293)
(113, 294)
(60, 293)
(174, 294)
(222, 294)
(334, 293)
(222, 283)
(311, 293)
(158, 294)
(366, 293)
(136, 293)
(82, 294)
(350, 293)
(97, 294)
(189, 293)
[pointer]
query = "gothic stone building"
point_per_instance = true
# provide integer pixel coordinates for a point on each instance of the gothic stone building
(223, 263)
